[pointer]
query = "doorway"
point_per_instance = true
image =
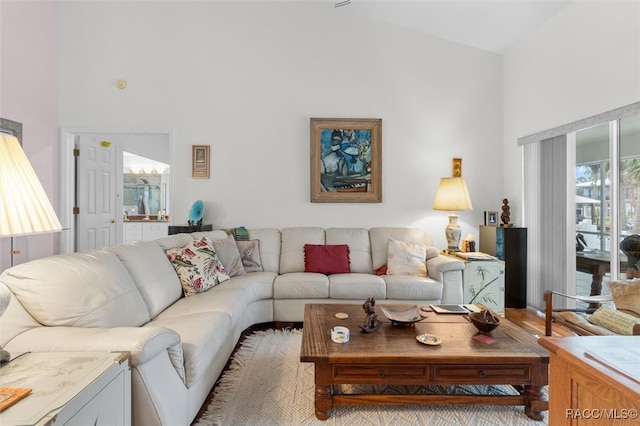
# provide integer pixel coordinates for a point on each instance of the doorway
(92, 187)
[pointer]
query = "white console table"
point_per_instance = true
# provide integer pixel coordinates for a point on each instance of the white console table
(69, 388)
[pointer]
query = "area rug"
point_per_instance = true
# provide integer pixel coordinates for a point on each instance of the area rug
(266, 384)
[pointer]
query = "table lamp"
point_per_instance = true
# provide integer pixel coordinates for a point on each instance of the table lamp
(453, 196)
(24, 206)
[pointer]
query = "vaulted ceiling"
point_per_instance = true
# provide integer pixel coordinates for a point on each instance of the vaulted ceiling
(493, 25)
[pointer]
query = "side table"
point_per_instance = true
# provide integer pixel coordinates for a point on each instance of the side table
(186, 229)
(483, 282)
(74, 388)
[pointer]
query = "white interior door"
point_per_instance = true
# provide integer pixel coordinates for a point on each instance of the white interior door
(96, 192)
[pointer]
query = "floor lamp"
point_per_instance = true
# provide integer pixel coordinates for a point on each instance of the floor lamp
(452, 196)
(24, 206)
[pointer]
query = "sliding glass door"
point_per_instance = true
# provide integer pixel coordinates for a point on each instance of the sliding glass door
(607, 182)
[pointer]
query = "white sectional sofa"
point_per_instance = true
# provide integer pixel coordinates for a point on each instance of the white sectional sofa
(129, 298)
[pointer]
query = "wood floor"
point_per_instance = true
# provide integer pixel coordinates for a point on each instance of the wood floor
(529, 319)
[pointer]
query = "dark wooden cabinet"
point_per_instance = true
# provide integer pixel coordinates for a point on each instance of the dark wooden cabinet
(510, 245)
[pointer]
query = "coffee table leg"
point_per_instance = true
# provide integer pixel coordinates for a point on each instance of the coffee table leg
(534, 405)
(324, 391)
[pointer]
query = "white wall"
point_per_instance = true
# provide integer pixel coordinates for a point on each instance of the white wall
(582, 62)
(245, 77)
(29, 94)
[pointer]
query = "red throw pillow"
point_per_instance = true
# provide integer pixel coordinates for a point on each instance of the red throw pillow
(326, 259)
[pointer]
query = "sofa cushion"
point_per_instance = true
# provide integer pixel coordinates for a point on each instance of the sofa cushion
(250, 255)
(580, 320)
(356, 286)
(87, 289)
(301, 285)
(197, 266)
(152, 273)
(616, 321)
(326, 259)
(202, 335)
(626, 295)
(359, 246)
(257, 285)
(409, 287)
(270, 242)
(15, 320)
(228, 253)
(293, 241)
(406, 259)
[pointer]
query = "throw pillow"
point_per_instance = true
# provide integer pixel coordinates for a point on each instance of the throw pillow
(406, 259)
(250, 255)
(239, 234)
(197, 266)
(326, 259)
(614, 320)
(626, 295)
(228, 253)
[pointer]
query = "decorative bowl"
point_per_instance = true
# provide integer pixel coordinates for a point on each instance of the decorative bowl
(405, 316)
(485, 321)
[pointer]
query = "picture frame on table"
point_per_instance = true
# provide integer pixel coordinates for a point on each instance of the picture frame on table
(491, 218)
(200, 168)
(346, 160)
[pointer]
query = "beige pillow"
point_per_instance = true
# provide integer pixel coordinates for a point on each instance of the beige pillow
(626, 295)
(614, 320)
(228, 253)
(406, 259)
(250, 255)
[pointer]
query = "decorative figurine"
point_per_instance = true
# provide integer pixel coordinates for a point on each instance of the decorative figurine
(506, 214)
(371, 322)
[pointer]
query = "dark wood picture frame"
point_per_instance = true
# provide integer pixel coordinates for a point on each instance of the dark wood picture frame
(346, 160)
(200, 166)
(491, 218)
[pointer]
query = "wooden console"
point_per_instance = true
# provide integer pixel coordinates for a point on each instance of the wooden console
(585, 391)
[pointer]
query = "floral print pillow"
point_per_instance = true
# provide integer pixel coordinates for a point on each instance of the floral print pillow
(197, 266)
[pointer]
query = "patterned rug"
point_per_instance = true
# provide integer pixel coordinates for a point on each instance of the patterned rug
(266, 384)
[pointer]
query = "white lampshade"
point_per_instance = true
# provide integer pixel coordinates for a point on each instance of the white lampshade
(24, 206)
(452, 195)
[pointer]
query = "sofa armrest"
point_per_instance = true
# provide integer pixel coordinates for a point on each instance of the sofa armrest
(143, 343)
(447, 270)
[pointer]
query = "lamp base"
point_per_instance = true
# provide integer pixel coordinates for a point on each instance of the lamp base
(453, 232)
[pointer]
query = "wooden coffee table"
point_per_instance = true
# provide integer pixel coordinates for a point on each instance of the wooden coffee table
(392, 356)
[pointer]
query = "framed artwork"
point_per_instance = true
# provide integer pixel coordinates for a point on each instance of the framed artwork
(200, 162)
(457, 167)
(346, 160)
(491, 218)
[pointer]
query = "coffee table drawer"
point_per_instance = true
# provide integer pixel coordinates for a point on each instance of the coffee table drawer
(354, 373)
(488, 373)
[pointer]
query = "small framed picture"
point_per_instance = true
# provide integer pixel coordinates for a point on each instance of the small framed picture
(491, 218)
(200, 162)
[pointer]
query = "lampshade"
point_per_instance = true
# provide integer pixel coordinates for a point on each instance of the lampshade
(24, 206)
(452, 195)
